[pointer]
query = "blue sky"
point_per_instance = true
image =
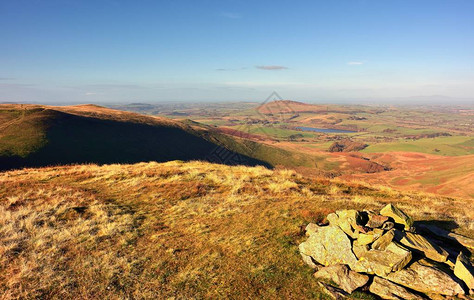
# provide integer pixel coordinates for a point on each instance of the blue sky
(229, 50)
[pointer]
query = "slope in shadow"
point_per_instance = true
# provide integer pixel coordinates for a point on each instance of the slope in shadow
(80, 139)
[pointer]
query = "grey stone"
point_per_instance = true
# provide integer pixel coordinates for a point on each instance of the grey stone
(382, 242)
(381, 263)
(329, 246)
(426, 277)
(388, 290)
(464, 270)
(376, 221)
(345, 278)
(397, 215)
(311, 228)
(422, 244)
(309, 261)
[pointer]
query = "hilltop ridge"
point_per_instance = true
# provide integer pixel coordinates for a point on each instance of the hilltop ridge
(39, 135)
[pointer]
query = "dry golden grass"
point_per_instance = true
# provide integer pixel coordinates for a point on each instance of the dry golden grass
(183, 230)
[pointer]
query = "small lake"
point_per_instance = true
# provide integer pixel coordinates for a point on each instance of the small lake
(325, 130)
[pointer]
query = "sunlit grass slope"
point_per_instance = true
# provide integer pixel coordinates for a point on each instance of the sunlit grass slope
(184, 230)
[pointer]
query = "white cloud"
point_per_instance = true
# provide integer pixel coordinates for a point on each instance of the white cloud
(271, 68)
(355, 63)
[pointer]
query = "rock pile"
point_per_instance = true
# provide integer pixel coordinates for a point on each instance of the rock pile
(385, 254)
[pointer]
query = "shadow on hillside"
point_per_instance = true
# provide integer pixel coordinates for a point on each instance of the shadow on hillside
(76, 139)
(440, 231)
(448, 225)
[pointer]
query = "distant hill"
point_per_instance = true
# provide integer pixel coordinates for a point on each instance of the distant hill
(295, 107)
(38, 135)
(288, 106)
(32, 135)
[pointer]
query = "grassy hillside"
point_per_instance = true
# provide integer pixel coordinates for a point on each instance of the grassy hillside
(443, 175)
(44, 135)
(183, 230)
(21, 130)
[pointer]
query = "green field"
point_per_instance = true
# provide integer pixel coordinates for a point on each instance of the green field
(450, 146)
(323, 146)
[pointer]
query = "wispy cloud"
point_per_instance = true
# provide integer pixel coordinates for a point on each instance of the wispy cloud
(17, 85)
(355, 63)
(271, 68)
(7, 78)
(230, 15)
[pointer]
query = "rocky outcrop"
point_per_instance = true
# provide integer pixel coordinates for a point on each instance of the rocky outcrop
(357, 245)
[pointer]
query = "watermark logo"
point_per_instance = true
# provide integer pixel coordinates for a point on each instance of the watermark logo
(273, 110)
(222, 155)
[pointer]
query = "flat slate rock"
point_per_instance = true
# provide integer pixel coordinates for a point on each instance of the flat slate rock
(345, 278)
(464, 270)
(397, 215)
(422, 244)
(426, 277)
(379, 262)
(386, 289)
(382, 242)
(366, 238)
